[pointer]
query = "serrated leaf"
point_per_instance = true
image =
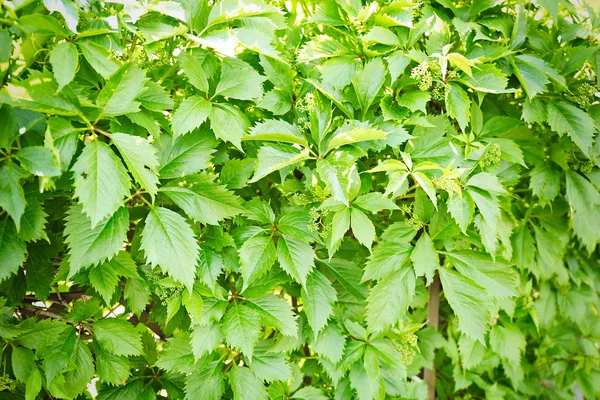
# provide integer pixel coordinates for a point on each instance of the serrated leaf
(140, 158)
(239, 81)
(389, 299)
(190, 114)
(273, 157)
(118, 337)
(241, 326)
(110, 368)
(39, 160)
(495, 276)
(207, 382)
(458, 104)
(33, 222)
(119, 95)
(12, 197)
(192, 67)
(276, 130)
(188, 154)
(101, 181)
(387, 257)
(318, 297)
(169, 241)
(203, 200)
(368, 81)
(469, 302)
(89, 245)
(104, 279)
(584, 200)
(362, 228)
(64, 59)
(425, 258)
(565, 118)
(330, 343)
(354, 135)
(276, 312)
(228, 123)
(245, 385)
(204, 339)
(295, 257)
(257, 256)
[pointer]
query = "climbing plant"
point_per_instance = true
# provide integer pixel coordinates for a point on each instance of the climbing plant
(334, 199)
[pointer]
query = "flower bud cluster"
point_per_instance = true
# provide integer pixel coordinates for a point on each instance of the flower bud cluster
(422, 73)
(7, 383)
(491, 156)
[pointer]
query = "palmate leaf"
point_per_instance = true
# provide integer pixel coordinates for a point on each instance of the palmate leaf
(12, 198)
(190, 114)
(276, 312)
(257, 256)
(565, 118)
(168, 241)
(272, 158)
(186, 155)
(119, 95)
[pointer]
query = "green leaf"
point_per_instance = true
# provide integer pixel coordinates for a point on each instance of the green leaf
(362, 228)
(204, 339)
(101, 181)
(339, 227)
(346, 136)
(203, 200)
(111, 369)
(242, 327)
(330, 343)
(39, 161)
(386, 258)
(176, 355)
(273, 157)
(279, 73)
(295, 257)
(458, 104)
(339, 71)
(469, 302)
(228, 123)
(118, 337)
(584, 200)
(192, 67)
(104, 279)
(119, 95)
(276, 312)
(415, 100)
(245, 385)
(276, 130)
(33, 222)
(318, 297)
(64, 59)
(33, 385)
(257, 256)
(140, 158)
(169, 241)
(239, 81)
(190, 114)
(67, 9)
(207, 382)
(368, 81)
(389, 299)
(210, 266)
(495, 276)
(188, 154)
(425, 258)
(87, 245)
(565, 118)
(12, 198)
(235, 174)
(508, 342)
(38, 93)
(98, 57)
(340, 175)
(270, 367)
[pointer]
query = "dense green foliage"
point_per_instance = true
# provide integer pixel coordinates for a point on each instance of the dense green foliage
(278, 200)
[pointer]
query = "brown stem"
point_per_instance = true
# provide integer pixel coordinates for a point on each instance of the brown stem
(433, 317)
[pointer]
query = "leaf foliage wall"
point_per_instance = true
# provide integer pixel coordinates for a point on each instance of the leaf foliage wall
(334, 199)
